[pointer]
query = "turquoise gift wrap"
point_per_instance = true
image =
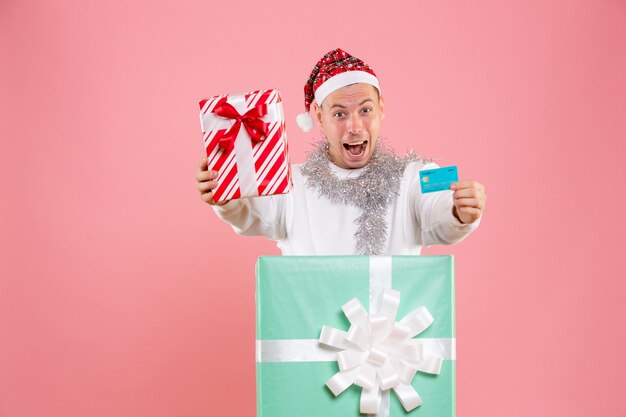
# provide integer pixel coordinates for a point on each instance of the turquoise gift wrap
(297, 295)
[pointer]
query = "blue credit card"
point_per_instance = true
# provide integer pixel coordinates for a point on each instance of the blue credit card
(438, 179)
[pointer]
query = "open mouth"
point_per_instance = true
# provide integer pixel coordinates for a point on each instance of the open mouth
(356, 148)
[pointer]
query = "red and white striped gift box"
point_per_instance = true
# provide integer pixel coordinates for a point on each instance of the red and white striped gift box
(246, 142)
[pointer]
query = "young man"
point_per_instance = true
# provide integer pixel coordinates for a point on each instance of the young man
(352, 196)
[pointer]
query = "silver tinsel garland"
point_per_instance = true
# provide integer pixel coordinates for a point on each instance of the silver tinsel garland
(372, 191)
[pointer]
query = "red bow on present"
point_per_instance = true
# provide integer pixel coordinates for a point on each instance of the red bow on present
(257, 129)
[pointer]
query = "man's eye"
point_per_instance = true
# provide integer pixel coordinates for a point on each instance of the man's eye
(366, 110)
(339, 114)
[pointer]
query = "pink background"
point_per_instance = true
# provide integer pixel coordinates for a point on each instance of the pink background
(121, 294)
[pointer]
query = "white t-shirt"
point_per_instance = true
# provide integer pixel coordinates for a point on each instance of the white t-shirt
(305, 223)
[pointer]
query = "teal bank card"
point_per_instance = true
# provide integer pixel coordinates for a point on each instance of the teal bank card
(438, 179)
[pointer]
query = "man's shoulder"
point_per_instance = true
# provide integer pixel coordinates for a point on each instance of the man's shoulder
(296, 173)
(419, 164)
(297, 168)
(411, 176)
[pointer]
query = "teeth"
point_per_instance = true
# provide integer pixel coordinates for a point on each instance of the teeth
(356, 143)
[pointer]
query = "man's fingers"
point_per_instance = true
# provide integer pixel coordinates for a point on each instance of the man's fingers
(206, 175)
(207, 197)
(206, 182)
(469, 193)
(471, 212)
(202, 166)
(466, 192)
(468, 202)
(203, 176)
(467, 184)
(206, 185)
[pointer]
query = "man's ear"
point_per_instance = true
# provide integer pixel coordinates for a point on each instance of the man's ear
(381, 104)
(318, 113)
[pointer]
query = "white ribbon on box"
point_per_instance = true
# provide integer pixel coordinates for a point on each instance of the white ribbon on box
(243, 147)
(377, 353)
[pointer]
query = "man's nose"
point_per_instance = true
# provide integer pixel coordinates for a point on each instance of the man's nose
(355, 124)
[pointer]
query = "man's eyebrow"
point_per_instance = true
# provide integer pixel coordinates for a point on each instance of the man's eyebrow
(360, 104)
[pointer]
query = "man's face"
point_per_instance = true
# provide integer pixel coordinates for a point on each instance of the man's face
(350, 118)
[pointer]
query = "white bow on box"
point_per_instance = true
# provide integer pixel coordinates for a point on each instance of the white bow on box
(378, 353)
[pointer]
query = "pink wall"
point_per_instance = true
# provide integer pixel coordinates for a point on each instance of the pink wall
(117, 292)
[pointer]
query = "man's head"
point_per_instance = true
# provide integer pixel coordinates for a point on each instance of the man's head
(346, 99)
(350, 118)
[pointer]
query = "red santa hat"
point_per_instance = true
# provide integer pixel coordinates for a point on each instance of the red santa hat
(335, 70)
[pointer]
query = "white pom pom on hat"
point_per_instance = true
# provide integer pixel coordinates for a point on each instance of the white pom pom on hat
(305, 122)
(335, 70)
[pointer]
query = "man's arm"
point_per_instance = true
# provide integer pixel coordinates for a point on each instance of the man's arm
(250, 216)
(447, 217)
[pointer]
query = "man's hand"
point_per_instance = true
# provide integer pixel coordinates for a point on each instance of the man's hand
(469, 200)
(207, 182)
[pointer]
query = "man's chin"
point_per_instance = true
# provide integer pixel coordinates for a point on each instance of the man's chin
(357, 164)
